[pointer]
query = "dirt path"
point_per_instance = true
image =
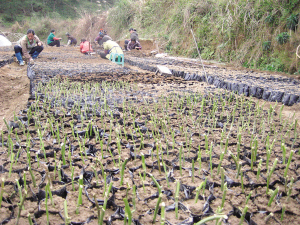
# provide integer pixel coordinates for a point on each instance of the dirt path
(14, 91)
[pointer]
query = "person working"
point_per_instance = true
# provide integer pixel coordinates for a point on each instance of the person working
(133, 35)
(29, 46)
(101, 38)
(71, 40)
(110, 47)
(133, 44)
(85, 47)
(52, 40)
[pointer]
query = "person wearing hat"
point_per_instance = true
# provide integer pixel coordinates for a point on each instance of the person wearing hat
(29, 46)
(52, 40)
(133, 35)
(71, 40)
(102, 37)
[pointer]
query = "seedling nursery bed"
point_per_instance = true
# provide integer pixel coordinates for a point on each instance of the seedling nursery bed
(99, 145)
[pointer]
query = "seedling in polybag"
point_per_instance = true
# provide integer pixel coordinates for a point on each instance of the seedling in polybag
(122, 171)
(288, 164)
(270, 174)
(106, 197)
(211, 218)
(273, 196)
(243, 215)
(67, 218)
(157, 207)
(177, 197)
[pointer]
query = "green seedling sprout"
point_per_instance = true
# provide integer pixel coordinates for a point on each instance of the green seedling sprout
(290, 189)
(288, 164)
(177, 197)
(242, 182)
(211, 218)
(157, 207)
(259, 169)
(224, 195)
(252, 157)
(2, 191)
(156, 183)
(142, 179)
(11, 163)
(128, 213)
(98, 209)
(122, 171)
(59, 171)
(166, 172)
(133, 197)
(21, 206)
(106, 197)
(234, 159)
(50, 193)
(29, 219)
(222, 179)
(283, 148)
(243, 215)
(248, 197)
(24, 180)
(238, 170)
(270, 174)
(67, 218)
(96, 175)
(42, 143)
(273, 196)
(198, 189)
(32, 177)
(282, 212)
(162, 214)
(220, 163)
(79, 200)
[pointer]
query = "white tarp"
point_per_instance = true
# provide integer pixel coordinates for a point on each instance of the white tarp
(4, 41)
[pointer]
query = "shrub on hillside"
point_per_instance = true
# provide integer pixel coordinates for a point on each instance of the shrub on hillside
(283, 38)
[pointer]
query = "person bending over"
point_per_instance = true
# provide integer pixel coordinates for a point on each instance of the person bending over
(29, 46)
(85, 47)
(71, 40)
(52, 40)
(101, 38)
(133, 44)
(110, 47)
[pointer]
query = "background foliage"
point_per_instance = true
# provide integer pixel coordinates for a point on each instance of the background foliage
(259, 34)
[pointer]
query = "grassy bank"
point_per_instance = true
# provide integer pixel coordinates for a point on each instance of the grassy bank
(255, 34)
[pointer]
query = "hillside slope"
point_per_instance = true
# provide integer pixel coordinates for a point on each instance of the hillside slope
(254, 34)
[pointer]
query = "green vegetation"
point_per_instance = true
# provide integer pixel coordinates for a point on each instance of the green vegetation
(16, 10)
(255, 34)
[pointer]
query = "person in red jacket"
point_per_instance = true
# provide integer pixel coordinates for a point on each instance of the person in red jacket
(85, 47)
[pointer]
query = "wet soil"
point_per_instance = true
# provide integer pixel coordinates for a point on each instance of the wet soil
(87, 118)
